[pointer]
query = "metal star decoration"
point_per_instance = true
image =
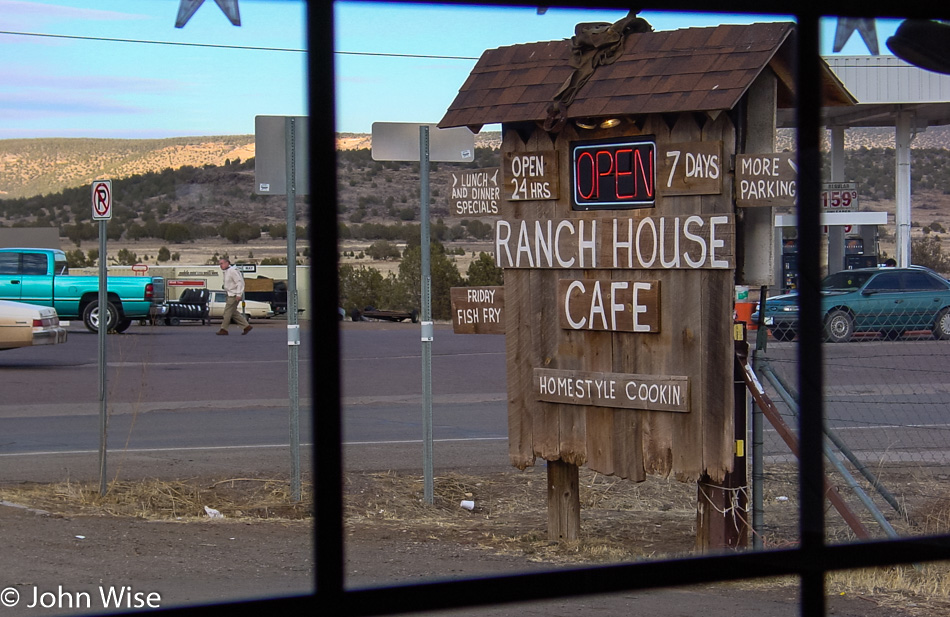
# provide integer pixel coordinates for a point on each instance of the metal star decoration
(865, 27)
(187, 8)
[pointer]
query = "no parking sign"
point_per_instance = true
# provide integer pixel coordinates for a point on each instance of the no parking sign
(102, 200)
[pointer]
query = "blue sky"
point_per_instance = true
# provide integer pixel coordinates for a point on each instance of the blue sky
(79, 87)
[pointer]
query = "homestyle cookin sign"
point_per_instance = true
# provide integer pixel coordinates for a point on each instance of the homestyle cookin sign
(617, 390)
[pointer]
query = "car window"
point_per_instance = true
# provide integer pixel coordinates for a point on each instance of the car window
(846, 279)
(885, 281)
(9, 263)
(35, 264)
(921, 281)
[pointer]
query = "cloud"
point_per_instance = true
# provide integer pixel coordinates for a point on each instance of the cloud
(120, 133)
(39, 104)
(12, 79)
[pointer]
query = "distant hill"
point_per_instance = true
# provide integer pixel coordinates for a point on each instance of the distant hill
(41, 166)
(209, 181)
(48, 165)
(855, 139)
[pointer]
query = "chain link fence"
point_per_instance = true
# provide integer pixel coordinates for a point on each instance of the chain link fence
(887, 407)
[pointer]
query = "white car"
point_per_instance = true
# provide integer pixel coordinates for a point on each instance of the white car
(252, 309)
(25, 325)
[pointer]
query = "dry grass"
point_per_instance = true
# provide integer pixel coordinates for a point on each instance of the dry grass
(622, 521)
(916, 590)
(241, 498)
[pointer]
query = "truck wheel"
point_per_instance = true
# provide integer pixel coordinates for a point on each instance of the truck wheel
(173, 321)
(123, 324)
(90, 316)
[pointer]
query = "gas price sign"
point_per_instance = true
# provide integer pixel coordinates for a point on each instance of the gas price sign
(839, 197)
(613, 174)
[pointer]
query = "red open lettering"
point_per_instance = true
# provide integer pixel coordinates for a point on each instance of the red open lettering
(614, 175)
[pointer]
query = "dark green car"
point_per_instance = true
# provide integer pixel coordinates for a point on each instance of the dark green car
(891, 301)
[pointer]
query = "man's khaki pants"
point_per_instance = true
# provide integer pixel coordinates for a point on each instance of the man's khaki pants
(231, 313)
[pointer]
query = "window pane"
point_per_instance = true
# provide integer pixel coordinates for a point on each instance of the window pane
(35, 264)
(483, 502)
(197, 424)
(9, 263)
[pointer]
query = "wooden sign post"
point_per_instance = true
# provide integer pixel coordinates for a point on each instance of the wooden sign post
(620, 236)
(618, 301)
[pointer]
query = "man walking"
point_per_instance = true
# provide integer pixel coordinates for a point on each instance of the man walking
(234, 286)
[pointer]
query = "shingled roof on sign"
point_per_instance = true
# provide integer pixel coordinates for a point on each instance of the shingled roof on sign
(692, 69)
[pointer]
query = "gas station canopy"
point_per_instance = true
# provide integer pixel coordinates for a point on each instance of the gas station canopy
(885, 86)
(890, 92)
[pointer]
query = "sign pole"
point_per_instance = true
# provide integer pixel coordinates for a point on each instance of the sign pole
(402, 141)
(426, 321)
(279, 156)
(103, 327)
(102, 211)
(293, 329)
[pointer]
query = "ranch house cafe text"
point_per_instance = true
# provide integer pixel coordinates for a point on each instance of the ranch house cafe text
(661, 242)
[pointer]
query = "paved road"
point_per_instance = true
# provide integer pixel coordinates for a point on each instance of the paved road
(182, 390)
(886, 399)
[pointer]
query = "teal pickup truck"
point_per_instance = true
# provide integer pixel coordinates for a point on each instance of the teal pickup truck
(41, 276)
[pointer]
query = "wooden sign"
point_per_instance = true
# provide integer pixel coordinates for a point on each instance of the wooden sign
(478, 310)
(608, 304)
(617, 390)
(766, 179)
(644, 242)
(531, 176)
(693, 168)
(475, 192)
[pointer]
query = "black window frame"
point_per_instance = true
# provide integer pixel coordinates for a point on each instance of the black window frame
(810, 561)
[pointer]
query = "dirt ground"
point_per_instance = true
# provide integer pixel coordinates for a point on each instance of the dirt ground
(157, 536)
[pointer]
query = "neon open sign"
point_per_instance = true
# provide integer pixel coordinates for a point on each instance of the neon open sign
(611, 174)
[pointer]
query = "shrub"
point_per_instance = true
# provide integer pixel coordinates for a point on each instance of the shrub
(383, 250)
(928, 252)
(483, 271)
